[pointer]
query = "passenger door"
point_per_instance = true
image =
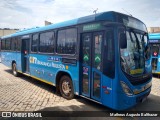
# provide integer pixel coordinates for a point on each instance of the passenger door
(25, 55)
(92, 65)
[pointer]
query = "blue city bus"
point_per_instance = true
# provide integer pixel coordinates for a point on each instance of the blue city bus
(101, 57)
(154, 43)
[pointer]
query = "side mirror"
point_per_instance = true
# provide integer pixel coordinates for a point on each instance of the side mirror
(123, 41)
(147, 52)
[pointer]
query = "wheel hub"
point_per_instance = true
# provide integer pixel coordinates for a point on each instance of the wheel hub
(66, 87)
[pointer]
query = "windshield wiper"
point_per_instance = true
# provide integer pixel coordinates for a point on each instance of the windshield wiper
(137, 55)
(143, 36)
(137, 41)
(143, 39)
(138, 44)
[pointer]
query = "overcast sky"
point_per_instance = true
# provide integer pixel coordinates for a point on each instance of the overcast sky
(32, 13)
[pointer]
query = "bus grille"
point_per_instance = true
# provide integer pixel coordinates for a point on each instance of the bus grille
(140, 79)
(140, 98)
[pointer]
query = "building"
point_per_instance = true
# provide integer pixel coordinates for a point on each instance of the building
(47, 23)
(7, 31)
(153, 29)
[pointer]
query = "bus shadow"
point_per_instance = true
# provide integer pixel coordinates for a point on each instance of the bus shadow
(9, 71)
(151, 104)
(73, 112)
(156, 76)
(94, 110)
(92, 104)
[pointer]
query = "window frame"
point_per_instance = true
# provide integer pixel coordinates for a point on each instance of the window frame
(54, 42)
(8, 39)
(4, 42)
(18, 38)
(13, 39)
(106, 55)
(37, 42)
(77, 43)
(95, 34)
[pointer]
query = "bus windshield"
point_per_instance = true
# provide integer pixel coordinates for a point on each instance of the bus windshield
(132, 57)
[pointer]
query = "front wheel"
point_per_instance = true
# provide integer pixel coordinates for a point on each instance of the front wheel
(14, 70)
(66, 87)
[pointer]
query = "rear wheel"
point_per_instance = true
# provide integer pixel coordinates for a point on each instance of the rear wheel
(14, 70)
(66, 87)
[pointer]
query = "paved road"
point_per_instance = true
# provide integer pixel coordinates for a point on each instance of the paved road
(26, 94)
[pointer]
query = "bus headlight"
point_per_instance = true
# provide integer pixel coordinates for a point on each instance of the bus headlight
(126, 89)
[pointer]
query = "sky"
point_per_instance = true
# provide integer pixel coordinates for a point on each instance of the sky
(32, 13)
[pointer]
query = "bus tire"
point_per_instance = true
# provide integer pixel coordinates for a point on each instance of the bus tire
(14, 70)
(66, 87)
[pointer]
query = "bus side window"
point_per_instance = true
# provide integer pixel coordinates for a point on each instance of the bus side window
(8, 44)
(66, 42)
(13, 44)
(34, 46)
(109, 53)
(18, 40)
(3, 44)
(46, 44)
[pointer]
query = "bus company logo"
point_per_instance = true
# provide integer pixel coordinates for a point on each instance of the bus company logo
(32, 59)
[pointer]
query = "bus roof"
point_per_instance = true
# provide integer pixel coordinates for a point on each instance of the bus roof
(154, 36)
(109, 16)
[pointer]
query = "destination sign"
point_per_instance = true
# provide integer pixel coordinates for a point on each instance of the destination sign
(91, 26)
(134, 23)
